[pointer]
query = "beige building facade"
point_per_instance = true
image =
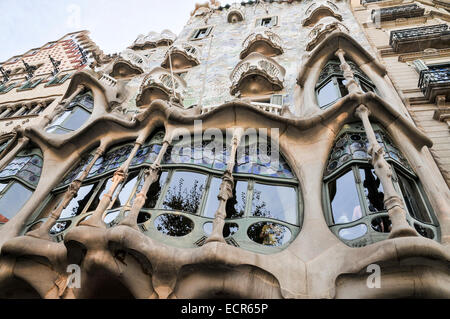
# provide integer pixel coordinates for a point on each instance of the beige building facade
(272, 149)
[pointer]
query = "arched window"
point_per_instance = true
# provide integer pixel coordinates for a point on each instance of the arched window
(99, 181)
(331, 84)
(18, 180)
(262, 215)
(76, 113)
(354, 196)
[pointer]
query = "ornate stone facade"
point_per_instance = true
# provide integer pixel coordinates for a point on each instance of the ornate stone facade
(361, 177)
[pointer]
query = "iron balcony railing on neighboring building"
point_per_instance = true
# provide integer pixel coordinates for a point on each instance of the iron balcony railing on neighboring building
(393, 13)
(418, 39)
(368, 1)
(435, 81)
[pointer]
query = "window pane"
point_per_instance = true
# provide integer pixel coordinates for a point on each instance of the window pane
(185, 192)
(154, 191)
(277, 202)
(213, 202)
(344, 199)
(373, 190)
(102, 191)
(327, 94)
(342, 86)
(77, 204)
(413, 199)
(60, 119)
(12, 201)
(126, 190)
(78, 117)
(236, 205)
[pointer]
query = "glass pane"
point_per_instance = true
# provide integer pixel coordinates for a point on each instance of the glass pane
(236, 205)
(373, 190)
(77, 204)
(278, 202)
(327, 94)
(185, 192)
(413, 199)
(78, 117)
(2, 186)
(59, 119)
(344, 199)
(269, 234)
(213, 202)
(126, 190)
(102, 191)
(353, 232)
(12, 201)
(174, 225)
(154, 191)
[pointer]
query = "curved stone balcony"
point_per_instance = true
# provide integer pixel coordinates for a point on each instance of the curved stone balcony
(129, 63)
(257, 75)
(235, 13)
(262, 41)
(324, 27)
(153, 40)
(183, 56)
(158, 84)
(317, 11)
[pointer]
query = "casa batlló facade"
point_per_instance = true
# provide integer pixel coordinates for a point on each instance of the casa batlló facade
(272, 149)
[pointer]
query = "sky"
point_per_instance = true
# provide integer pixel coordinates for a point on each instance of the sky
(114, 24)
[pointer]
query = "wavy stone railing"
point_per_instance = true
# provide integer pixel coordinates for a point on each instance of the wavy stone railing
(264, 35)
(320, 31)
(257, 64)
(154, 39)
(134, 58)
(319, 10)
(161, 79)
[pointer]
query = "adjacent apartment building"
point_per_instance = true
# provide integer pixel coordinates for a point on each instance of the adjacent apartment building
(272, 149)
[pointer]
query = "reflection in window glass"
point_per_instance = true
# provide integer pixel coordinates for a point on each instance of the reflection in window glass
(185, 192)
(342, 86)
(12, 201)
(213, 202)
(344, 199)
(353, 232)
(236, 205)
(77, 204)
(154, 191)
(276, 202)
(413, 199)
(126, 190)
(269, 234)
(78, 117)
(373, 190)
(327, 94)
(102, 191)
(174, 225)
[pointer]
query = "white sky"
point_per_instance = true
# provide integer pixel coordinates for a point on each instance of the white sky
(114, 24)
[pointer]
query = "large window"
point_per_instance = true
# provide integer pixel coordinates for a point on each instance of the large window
(262, 215)
(354, 195)
(76, 113)
(18, 180)
(331, 85)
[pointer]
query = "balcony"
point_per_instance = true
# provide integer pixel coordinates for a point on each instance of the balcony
(419, 39)
(153, 40)
(435, 81)
(262, 41)
(257, 75)
(129, 63)
(316, 12)
(320, 32)
(393, 13)
(159, 84)
(183, 56)
(235, 14)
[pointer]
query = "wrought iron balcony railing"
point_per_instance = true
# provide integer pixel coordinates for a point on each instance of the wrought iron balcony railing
(368, 1)
(392, 13)
(435, 81)
(418, 39)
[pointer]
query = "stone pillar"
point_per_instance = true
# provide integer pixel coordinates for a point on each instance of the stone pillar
(150, 177)
(226, 191)
(43, 231)
(352, 85)
(392, 200)
(6, 111)
(119, 177)
(19, 111)
(36, 109)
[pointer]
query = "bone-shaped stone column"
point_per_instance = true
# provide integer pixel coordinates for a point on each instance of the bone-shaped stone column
(352, 85)
(392, 200)
(119, 177)
(150, 177)
(43, 231)
(226, 191)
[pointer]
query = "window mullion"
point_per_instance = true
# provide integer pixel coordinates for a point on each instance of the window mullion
(360, 190)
